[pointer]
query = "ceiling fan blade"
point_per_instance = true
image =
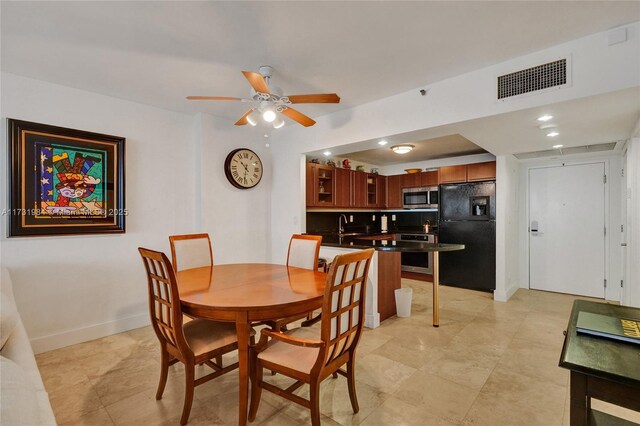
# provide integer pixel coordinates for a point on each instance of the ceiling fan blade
(256, 81)
(299, 117)
(243, 119)
(326, 98)
(212, 98)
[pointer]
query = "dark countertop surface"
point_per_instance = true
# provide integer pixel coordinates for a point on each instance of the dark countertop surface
(333, 240)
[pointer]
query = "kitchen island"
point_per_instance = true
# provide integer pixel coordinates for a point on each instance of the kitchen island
(384, 273)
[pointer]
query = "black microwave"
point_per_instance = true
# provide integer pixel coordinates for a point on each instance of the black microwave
(420, 198)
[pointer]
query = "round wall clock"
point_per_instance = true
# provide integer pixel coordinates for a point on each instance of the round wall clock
(243, 168)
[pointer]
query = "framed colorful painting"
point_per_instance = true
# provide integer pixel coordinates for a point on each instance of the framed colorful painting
(64, 181)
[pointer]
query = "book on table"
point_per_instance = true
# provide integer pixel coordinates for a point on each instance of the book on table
(624, 329)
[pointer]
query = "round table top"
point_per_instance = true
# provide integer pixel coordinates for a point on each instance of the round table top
(249, 287)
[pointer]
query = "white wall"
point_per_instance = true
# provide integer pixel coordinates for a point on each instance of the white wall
(631, 295)
(613, 251)
(397, 169)
(238, 220)
(74, 288)
(507, 236)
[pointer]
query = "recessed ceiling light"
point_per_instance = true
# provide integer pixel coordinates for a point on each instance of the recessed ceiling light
(402, 149)
(557, 146)
(266, 135)
(545, 117)
(552, 133)
(327, 153)
(382, 142)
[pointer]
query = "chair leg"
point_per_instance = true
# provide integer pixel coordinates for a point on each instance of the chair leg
(314, 399)
(219, 360)
(256, 390)
(164, 371)
(189, 375)
(351, 383)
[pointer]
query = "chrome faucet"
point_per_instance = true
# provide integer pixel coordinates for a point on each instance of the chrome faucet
(340, 227)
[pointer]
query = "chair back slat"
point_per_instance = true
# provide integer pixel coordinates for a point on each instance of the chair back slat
(190, 251)
(164, 300)
(343, 304)
(304, 251)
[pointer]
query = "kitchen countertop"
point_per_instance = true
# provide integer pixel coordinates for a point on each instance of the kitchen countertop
(356, 242)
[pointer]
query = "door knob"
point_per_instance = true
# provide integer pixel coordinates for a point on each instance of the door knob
(623, 244)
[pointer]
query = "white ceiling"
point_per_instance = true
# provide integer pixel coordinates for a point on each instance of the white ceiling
(608, 117)
(159, 52)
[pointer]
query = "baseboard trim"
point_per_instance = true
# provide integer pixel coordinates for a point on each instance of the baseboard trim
(85, 334)
(504, 296)
(372, 320)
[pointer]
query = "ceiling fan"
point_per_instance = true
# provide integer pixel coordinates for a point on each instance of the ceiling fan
(268, 102)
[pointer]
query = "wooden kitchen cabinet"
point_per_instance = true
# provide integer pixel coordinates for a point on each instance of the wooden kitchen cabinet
(320, 185)
(453, 174)
(394, 192)
(381, 191)
(481, 171)
(430, 178)
(343, 187)
(410, 180)
(310, 184)
(359, 188)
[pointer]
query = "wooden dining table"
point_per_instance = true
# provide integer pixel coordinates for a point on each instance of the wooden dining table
(247, 293)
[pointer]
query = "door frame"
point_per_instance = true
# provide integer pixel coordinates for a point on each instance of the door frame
(612, 291)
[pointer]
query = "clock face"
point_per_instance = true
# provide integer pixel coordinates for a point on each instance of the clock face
(243, 168)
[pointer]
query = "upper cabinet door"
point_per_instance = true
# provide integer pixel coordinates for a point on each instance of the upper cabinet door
(429, 178)
(310, 184)
(381, 191)
(325, 186)
(481, 171)
(410, 180)
(394, 192)
(343, 187)
(453, 174)
(359, 198)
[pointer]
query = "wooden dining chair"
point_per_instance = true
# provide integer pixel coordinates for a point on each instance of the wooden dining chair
(190, 251)
(303, 253)
(310, 361)
(192, 343)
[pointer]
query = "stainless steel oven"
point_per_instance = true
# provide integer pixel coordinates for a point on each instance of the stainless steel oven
(421, 263)
(420, 198)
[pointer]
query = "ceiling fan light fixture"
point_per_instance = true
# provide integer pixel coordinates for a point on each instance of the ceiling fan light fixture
(278, 122)
(402, 148)
(253, 117)
(269, 115)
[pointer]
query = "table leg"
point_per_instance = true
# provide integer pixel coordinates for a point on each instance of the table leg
(579, 402)
(436, 289)
(242, 328)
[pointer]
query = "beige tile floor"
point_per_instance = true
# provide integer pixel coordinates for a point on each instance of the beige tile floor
(489, 363)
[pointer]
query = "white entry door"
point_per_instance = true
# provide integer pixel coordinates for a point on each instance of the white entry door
(567, 229)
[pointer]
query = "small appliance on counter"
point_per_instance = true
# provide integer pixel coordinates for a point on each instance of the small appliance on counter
(468, 216)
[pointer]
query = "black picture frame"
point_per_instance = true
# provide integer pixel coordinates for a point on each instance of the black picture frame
(64, 181)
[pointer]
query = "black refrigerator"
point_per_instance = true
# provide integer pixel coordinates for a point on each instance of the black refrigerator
(468, 216)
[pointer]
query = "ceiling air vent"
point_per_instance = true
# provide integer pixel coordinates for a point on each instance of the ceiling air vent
(609, 146)
(533, 79)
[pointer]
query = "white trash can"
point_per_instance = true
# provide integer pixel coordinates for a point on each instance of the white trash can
(403, 301)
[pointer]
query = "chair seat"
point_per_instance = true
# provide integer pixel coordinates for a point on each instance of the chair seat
(294, 357)
(205, 336)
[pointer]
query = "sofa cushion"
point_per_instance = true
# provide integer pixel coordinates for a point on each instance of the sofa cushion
(8, 319)
(18, 396)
